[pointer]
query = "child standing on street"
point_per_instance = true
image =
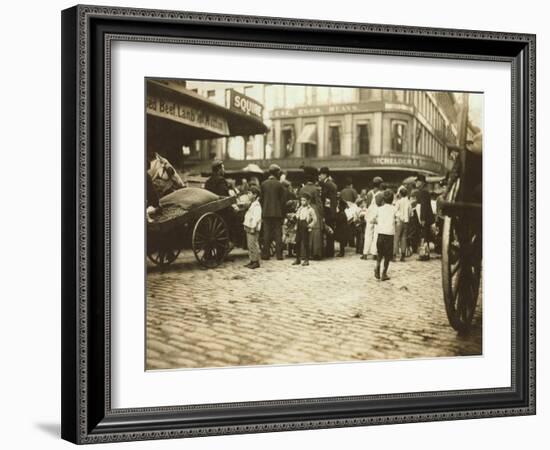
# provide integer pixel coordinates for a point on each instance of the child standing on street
(305, 222)
(385, 221)
(289, 227)
(252, 225)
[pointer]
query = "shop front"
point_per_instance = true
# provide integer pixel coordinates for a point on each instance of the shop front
(357, 141)
(178, 117)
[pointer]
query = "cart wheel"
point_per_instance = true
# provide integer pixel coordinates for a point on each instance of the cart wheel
(461, 267)
(163, 257)
(210, 240)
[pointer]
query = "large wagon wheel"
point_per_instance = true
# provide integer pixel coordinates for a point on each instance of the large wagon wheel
(461, 266)
(210, 240)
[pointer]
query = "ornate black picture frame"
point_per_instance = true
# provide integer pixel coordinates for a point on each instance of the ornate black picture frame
(87, 35)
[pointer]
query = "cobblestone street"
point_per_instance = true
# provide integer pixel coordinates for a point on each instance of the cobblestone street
(333, 310)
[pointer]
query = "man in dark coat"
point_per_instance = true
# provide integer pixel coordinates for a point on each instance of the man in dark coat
(217, 182)
(329, 199)
(219, 185)
(272, 199)
(349, 194)
(426, 218)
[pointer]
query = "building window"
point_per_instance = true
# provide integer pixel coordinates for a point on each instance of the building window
(418, 137)
(363, 138)
(211, 93)
(334, 139)
(399, 134)
(287, 140)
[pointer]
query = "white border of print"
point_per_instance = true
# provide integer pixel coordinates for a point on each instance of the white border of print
(133, 387)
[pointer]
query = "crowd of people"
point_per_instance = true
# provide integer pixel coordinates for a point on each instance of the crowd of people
(306, 220)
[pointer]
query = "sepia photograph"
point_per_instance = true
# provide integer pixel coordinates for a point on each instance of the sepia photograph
(306, 224)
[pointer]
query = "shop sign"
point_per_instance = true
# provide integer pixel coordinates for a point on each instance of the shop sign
(245, 105)
(344, 108)
(410, 161)
(322, 110)
(187, 115)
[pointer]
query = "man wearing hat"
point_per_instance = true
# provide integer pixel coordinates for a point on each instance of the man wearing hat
(273, 200)
(329, 192)
(217, 182)
(426, 218)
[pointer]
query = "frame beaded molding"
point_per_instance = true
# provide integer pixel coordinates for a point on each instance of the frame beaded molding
(109, 39)
(87, 12)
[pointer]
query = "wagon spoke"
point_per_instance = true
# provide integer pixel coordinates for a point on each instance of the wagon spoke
(222, 232)
(211, 225)
(456, 289)
(200, 235)
(455, 269)
(200, 243)
(217, 225)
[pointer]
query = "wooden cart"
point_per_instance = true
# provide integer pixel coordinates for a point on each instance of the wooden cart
(462, 244)
(204, 229)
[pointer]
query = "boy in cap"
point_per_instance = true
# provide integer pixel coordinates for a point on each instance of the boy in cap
(305, 221)
(252, 225)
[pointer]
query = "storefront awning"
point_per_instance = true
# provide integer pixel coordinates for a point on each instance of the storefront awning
(195, 117)
(308, 135)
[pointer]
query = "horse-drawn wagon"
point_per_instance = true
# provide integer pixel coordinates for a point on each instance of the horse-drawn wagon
(196, 219)
(462, 229)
